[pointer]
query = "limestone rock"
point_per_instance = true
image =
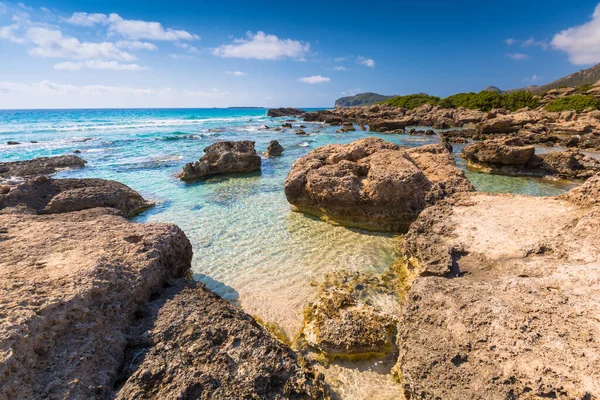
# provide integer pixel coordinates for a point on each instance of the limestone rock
(284, 112)
(40, 166)
(223, 158)
(274, 149)
(369, 183)
(503, 151)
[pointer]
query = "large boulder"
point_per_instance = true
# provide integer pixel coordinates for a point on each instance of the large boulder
(503, 151)
(274, 149)
(504, 302)
(40, 166)
(284, 112)
(223, 158)
(369, 183)
(43, 195)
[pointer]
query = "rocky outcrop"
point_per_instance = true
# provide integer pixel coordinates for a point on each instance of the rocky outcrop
(196, 345)
(369, 183)
(504, 151)
(70, 285)
(285, 112)
(43, 195)
(512, 157)
(40, 166)
(274, 149)
(223, 158)
(504, 304)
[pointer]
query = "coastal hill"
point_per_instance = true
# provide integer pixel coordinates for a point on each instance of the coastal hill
(361, 99)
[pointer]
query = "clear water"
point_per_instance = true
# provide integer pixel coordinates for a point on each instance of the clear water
(248, 246)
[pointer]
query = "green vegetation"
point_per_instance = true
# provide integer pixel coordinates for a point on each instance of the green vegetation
(412, 101)
(576, 102)
(484, 100)
(362, 99)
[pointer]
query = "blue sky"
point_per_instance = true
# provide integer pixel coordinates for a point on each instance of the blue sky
(63, 54)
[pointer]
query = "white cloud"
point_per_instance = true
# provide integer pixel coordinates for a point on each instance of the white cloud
(46, 86)
(187, 47)
(237, 73)
(180, 56)
(9, 32)
(510, 41)
(366, 61)
(314, 79)
(212, 93)
(339, 59)
(52, 43)
(3, 8)
(263, 47)
(351, 92)
(340, 68)
(97, 64)
(135, 45)
(581, 43)
(517, 56)
(85, 19)
(533, 78)
(532, 42)
(136, 29)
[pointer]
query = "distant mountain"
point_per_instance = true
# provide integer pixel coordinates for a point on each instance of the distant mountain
(362, 99)
(582, 77)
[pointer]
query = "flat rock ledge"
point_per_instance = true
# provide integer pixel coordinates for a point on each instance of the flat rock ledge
(504, 304)
(511, 156)
(223, 158)
(372, 184)
(43, 195)
(285, 112)
(40, 166)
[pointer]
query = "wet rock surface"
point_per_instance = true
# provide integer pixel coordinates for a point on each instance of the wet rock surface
(369, 183)
(274, 149)
(223, 158)
(43, 195)
(503, 305)
(40, 166)
(196, 345)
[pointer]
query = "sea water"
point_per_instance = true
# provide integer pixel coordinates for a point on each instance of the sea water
(249, 247)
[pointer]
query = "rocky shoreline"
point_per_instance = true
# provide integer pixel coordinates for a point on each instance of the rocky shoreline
(493, 298)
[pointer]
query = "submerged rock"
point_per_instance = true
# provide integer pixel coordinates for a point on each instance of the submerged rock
(285, 112)
(274, 149)
(505, 301)
(200, 346)
(43, 195)
(369, 183)
(40, 166)
(223, 158)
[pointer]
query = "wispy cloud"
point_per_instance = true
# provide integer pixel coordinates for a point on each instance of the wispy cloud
(314, 79)
(262, 46)
(581, 43)
(517, 56)
(533, 78)
(85, 19)
(186, 46)
(510, 41)
(366, 61)
(340, 68)
(135, 45)
(97, 64)
(237, 73)
(533, 42)
(351, 92)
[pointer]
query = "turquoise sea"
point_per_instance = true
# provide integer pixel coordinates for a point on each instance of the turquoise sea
(248, 246)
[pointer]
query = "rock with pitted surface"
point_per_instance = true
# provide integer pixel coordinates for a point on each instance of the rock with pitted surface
(504, 302)
(503, 151)
(40, 166)
(510, 156)
(70, 285)
(43, 195)
(369, 183)
(197, 346)
(223, 158)
(285, 112)
(274, 149)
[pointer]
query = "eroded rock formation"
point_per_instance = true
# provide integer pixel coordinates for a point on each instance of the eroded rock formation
(223, 158)
(40, 166)
(371, 183)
